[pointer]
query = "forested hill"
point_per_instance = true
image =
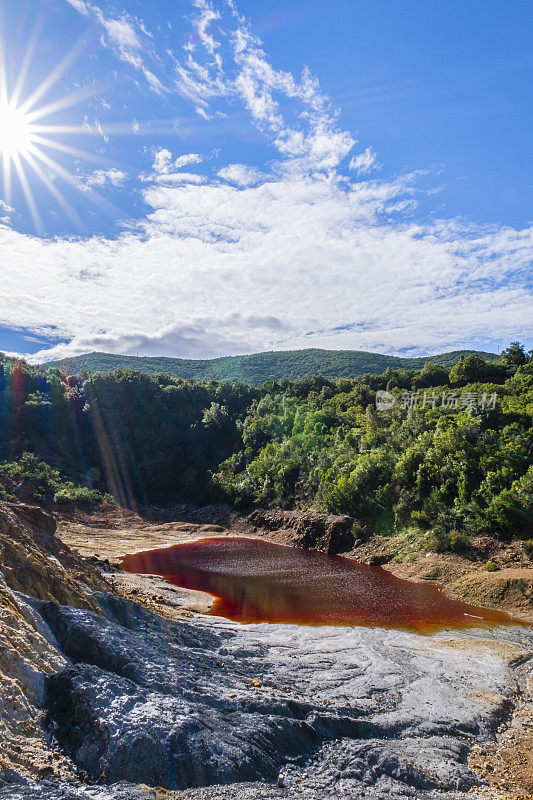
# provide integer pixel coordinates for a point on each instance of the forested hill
(258, 368)
(438, 454)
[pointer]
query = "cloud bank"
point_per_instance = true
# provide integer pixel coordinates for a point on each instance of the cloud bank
(295, 254)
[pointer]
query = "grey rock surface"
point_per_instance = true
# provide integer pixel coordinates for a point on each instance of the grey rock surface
(212, 709)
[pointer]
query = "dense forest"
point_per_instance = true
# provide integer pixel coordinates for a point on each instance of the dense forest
(447, 453)
(259, 368)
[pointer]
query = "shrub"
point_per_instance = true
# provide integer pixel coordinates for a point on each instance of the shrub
(77, 496)
(491, 566)
(438, 539)
(528, 547)
(47, 484)
(458, 541)
(358, 532)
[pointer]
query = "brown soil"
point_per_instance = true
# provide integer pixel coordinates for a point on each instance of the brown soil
(464, 576)
(507, 765)
(108, 535)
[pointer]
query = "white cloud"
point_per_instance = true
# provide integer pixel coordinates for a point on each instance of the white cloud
(247, 261)
(365, 162)
(181, 177)
(121, 33)
(105, 177)
(294, 262)
(127, 36)
(314, 138)
(165, 168)
(311, 136)
(162, 161)
(96, 128)
(240, 174)
(188, 158)
(242, 71)
(79, 5)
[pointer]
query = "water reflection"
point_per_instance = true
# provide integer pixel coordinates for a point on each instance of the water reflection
(255, 581)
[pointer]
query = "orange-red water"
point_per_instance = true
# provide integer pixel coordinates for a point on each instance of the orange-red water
(256, 581)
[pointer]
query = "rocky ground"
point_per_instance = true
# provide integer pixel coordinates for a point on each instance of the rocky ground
(33, 562)
(102, 698)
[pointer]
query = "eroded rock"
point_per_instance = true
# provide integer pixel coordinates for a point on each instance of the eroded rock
(34, 561)
(26, 656)
(326, 532)
(195, 704)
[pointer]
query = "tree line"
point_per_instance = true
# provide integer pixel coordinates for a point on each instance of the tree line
(432, 462)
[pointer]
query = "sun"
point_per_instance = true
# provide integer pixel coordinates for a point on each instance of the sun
(28, 136)
(15, 131)
(35, 143)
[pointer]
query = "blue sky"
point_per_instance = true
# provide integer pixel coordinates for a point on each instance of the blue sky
(233, 177)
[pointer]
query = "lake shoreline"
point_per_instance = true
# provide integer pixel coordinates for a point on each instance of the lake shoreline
(464, 577)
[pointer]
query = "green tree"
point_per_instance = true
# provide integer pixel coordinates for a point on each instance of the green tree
(432, 375)
(514, 355)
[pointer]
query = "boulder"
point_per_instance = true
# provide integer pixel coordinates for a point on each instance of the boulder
(35, 516)
(326, 532)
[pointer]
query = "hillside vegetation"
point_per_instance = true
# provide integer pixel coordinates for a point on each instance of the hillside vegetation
(258, 368)
(450, 458)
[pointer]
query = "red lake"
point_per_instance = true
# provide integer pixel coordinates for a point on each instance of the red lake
(256, 581)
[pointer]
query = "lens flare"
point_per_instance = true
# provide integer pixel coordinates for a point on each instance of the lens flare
(27, 137)
(15, 131)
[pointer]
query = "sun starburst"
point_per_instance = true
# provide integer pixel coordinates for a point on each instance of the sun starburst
(15, 131)
(28, 136)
